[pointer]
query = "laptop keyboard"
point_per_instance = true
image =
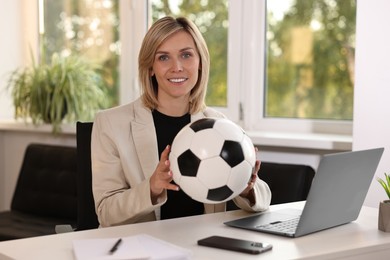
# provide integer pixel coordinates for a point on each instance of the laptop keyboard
(286, 226)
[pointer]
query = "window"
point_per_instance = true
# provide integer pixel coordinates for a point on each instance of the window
(310, 59)
(266, 63)
(87, 28)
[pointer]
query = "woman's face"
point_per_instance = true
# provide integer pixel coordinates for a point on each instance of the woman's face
(176, 66)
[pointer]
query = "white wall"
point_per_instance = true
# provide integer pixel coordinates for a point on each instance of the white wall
(18, 27)
(372, 89)
(11, 57)
(10, 50)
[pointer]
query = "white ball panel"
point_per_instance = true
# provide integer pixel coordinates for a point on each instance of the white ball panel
(194, 188)
(249, 150)
(182, 141)
(206, 143)
(213, 172)
(239, 177)
(229, 130)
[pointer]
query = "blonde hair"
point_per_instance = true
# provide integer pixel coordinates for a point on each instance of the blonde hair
(160, 31)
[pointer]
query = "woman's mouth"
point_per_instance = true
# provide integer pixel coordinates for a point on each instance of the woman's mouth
(177, 80)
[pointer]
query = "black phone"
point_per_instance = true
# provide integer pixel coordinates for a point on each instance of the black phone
(233, 244)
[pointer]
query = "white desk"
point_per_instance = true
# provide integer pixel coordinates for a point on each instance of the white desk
(357, 240)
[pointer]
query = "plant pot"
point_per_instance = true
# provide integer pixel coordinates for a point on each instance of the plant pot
(48, 119)
(384, 216)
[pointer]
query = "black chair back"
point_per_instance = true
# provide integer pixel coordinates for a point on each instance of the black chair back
(86, 214)
(287, 182)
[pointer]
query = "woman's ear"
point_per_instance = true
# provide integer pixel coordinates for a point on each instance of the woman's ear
(151, 72)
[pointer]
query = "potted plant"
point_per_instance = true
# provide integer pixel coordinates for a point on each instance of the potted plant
(66, 88)
(384, 206)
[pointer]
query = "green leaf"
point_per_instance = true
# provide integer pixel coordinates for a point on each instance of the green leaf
(385, 184)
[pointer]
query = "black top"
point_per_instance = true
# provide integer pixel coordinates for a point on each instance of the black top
(178, 204)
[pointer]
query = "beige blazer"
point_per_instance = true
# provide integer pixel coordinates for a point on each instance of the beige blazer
(125, 155)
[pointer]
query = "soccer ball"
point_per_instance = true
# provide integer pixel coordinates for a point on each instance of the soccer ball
(212, 160)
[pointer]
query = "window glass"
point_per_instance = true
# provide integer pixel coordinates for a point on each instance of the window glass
(310, 59)
(88, 28)
(211, 16)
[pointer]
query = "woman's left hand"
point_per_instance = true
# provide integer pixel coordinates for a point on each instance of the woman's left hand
(249, 193)
(252, 180)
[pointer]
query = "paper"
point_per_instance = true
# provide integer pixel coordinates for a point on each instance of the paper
(132, 247)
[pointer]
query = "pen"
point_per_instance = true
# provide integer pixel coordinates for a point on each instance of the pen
(115, 246)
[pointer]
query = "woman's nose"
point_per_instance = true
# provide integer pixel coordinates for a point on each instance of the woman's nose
(177, 65)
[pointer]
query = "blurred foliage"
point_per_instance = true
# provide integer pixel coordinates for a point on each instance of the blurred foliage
(319, 86)
(211, 17)
(65, 88)
(89, 29)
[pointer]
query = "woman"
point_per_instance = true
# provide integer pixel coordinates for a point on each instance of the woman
(131, 182)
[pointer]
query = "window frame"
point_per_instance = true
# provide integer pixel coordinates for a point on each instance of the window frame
(133, 17)
(254, 59)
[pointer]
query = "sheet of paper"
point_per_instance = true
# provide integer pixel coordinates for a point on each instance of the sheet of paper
(132, 247)
(161, 250)
(99, 248)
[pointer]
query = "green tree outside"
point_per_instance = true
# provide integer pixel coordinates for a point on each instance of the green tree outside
(319, 86)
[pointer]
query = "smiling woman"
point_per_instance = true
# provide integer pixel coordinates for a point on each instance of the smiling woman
(176, 68)
(177, 52)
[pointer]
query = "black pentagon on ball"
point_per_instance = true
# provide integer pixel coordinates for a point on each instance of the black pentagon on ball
(232, 153)
(188, 163)
(201, 124)
(219, 194)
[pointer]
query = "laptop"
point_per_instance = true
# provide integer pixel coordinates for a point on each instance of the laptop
(336, 197)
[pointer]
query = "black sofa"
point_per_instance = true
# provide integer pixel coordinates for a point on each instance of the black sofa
(45, 193)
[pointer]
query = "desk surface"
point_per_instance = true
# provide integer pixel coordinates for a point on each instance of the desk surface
(360, 239)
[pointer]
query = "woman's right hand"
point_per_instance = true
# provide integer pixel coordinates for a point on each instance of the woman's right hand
(162, 176)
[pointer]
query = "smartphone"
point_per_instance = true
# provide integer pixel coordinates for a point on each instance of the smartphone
(233, 244)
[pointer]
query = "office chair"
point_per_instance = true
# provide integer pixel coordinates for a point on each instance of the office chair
(86, 214)
(287, 182)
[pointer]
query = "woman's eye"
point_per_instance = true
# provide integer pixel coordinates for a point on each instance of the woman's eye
(163, 57)
(186, 55)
